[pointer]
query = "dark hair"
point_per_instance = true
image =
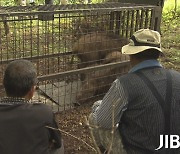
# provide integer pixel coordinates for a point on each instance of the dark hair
(19, 77)
(148, 54)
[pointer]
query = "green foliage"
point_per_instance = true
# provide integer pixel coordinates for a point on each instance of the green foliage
(7, 3)
(170, 31)
(170, 17)
(38, 2)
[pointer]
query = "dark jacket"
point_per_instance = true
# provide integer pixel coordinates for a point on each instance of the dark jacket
(23, 127)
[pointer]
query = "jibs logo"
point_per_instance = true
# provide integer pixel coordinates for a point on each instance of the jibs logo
(169, 141)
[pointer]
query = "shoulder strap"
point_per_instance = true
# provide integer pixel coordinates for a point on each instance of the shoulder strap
(165, 104)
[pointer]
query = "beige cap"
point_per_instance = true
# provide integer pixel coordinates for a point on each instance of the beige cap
(142, 40)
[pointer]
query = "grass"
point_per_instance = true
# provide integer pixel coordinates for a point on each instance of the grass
(170, 31)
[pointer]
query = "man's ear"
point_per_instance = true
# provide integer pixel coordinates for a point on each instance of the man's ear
(31, 92)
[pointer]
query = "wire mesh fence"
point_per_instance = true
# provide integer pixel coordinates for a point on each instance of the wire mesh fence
(76, 48)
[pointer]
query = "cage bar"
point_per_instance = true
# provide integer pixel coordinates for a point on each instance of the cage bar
(76, 48)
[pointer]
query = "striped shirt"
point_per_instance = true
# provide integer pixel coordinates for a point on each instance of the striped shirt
(115, 101)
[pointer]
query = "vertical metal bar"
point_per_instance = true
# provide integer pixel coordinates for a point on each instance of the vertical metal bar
(31, 38)
(152, 23)
(59, 38)
(1, 35)
(104, 22)
(43, 46)
(65, 41)
(48, 44)
(58, 94)
(142, 19)
(14, 42)
(23, 37)
(149, 18)
(26, 38)
(18, 40)
(52, 46)
(123, 22)
(53, 91)
(118, 20)
(111, 24)
(127, 23)
(64, 104)
(137, 20)
(38, 45)
(146, 18)
(67, 38)
(158, 15)
(1, 58)
(1, 55)
(7, 46)
(132, 23)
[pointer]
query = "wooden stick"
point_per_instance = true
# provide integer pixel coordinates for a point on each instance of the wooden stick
(71, 136)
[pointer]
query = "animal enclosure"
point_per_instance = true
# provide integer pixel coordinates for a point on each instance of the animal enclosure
(76, 48)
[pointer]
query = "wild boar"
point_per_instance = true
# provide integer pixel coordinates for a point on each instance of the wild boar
(98, 82)
(93, 48)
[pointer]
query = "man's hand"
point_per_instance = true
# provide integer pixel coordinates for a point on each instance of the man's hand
(96, 105)
(52, 144)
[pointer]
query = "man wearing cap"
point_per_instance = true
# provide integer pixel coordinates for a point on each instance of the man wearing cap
(141, 105)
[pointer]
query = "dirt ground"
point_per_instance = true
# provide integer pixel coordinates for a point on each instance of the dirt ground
(73, 122)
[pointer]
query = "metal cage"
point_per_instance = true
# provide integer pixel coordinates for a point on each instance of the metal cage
(75, 48)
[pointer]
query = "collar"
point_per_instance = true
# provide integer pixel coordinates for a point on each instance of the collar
(145, 64)
(13, 100)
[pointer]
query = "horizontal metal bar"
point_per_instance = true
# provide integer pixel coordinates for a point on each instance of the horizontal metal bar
(74, 10)
(82, 70)
(69, 6)
(37, 57)
(35, 17)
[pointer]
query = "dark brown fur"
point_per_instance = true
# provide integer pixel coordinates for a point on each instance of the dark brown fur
(92, 48)
(99, 82)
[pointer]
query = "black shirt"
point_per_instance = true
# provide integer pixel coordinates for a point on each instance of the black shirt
(23, 127)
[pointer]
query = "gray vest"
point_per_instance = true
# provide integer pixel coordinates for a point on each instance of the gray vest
(143, 121)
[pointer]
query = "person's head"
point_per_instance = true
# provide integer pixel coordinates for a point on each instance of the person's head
(145, 44)
(20, 79)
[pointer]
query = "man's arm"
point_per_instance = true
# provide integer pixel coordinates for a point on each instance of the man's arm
(55, 135)
(102, 112)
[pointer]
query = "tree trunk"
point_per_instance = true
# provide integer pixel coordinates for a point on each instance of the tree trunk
(175, 7)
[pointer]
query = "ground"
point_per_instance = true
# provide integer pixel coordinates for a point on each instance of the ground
(73, 121)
